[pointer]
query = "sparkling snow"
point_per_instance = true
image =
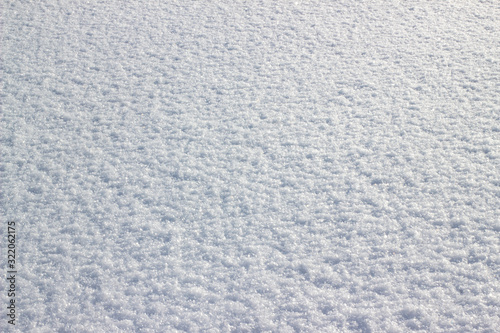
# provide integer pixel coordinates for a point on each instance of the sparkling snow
(252, 166)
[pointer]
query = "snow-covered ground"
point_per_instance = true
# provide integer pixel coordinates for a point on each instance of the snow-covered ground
(252, 166)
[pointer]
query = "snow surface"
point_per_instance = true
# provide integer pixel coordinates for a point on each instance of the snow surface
(252, 166)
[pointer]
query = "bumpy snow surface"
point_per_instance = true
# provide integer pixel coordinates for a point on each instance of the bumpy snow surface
(252, 166)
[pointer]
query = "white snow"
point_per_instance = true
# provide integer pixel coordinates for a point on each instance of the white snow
(252, 166)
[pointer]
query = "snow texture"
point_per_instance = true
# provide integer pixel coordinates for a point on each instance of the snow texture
(252, 166)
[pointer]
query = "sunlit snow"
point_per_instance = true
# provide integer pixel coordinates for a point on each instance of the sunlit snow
(252, 166)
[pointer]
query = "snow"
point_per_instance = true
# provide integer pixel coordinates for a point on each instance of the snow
(252, 166)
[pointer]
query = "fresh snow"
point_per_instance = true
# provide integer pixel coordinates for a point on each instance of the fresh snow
(252, 166)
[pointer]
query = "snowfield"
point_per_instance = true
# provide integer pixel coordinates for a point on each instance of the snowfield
(252, 166)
